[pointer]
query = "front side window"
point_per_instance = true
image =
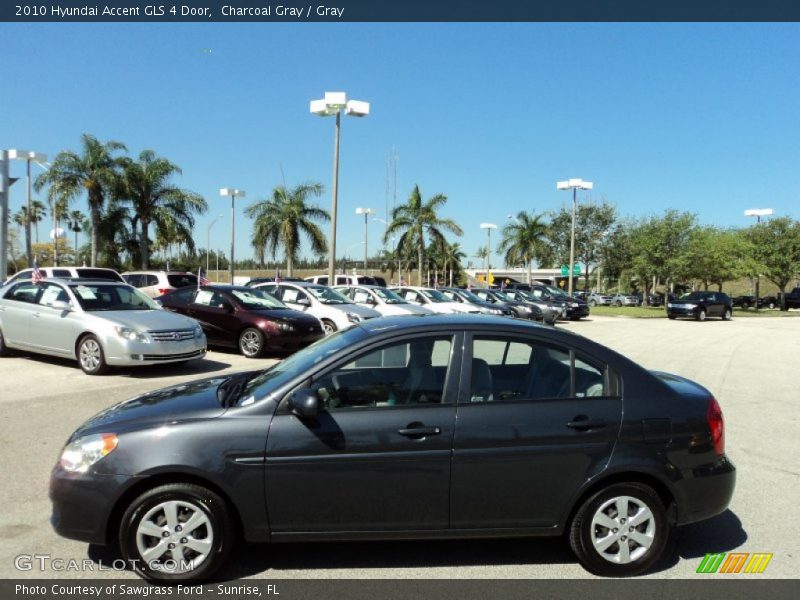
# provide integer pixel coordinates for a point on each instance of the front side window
(504, 369)
(23, 292)
(52, 293)
(410, 372)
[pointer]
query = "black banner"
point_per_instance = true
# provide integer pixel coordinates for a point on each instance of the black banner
(143, 11)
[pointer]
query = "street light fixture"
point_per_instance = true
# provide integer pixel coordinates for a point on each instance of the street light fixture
(333, 104)
(27, 156)
(208, 244)
(574, 185)
(232, 192)
(366, 212)
(758, 213)
(488, 227)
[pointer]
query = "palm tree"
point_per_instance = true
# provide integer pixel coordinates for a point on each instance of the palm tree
(146, 185)
(59, 211)
(96, 171)
(417, 219)
(523, 239)
(453, 256)
(76, 219)
(281, 219)
(38, 211)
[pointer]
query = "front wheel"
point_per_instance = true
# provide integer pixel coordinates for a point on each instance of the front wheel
(251, 342)
(727, 316)
(701, 314)
(328, 326)
(176, 532)
(620, 531)
(91, 357)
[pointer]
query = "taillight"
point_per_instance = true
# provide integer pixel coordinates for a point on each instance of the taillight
(716, 424)
(162, 291)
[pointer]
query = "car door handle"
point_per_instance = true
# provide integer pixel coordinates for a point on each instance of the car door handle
(419, 432)
(586, 424)
(36, 315)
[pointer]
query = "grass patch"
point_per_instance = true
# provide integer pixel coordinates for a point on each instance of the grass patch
(648, 312)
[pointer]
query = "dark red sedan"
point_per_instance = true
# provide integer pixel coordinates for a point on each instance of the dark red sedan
(245, 318)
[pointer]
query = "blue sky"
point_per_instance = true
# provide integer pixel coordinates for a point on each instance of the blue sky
(697, 117)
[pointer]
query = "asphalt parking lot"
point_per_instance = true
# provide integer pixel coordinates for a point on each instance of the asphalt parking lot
(750, 365)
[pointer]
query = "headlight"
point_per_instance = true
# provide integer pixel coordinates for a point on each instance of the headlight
(690, 305)
(81, 454)
(495, 311)
(284, 326)
(574, 304)
(353, 317)
(198, 332)
(132, 334)
(525, 309)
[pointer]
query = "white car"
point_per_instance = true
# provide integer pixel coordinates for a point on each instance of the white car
(334, 311)
(385, 301)
(434, 300)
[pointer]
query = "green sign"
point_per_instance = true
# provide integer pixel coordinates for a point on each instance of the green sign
(576, 270)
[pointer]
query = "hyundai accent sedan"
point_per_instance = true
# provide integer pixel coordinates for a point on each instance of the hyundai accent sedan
(99, 323)
(405, 427)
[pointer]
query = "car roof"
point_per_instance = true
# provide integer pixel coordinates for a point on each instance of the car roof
(154, 272)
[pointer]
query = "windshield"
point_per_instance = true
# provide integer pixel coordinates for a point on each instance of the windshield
(501, 295)
(255, 299)
(435, 295)
(554, 291)
(691, 297)
(388, 296)
(298, 363)
(469, 296)
(96, 297)
(326, 295)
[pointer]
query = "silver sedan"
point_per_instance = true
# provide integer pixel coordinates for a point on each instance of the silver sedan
(98, 323)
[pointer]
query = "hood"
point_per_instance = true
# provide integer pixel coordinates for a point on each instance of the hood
(405, 309)
(146, 320)
(454, 307)
(361, 311)
(193, 400)
(295, 317)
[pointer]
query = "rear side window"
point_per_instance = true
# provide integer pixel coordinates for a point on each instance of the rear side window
(89, 273)
(150, 280)
(61, 273)
(183, 280)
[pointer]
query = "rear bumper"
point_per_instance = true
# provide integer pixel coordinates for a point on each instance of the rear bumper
(705, 491)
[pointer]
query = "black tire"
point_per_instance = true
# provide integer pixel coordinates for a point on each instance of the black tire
(251, 342)
(216, 532)
(585, 532)
(727, 316)
(671, 317)
(701, 315)
(91, 358)
(4, 351)
(771, 304)
(617, 303)
(328, 326)
(592, 303)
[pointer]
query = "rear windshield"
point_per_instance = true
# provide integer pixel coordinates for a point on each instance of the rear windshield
(182, 280)
(89, 273)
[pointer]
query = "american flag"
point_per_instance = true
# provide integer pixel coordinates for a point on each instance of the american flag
(278, 276)
(37, 274)
(201, 278)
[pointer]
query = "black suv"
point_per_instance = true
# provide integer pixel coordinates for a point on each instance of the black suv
(700, 305)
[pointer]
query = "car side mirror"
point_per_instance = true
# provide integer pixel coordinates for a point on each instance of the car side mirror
(303, 302)
(61, 305)
(304, 403)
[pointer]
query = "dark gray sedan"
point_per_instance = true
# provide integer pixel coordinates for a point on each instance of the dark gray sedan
(402, 428)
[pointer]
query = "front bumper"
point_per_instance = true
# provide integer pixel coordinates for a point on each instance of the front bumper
(681, 311)
(576, 312)
(127, 353)
(82, 504)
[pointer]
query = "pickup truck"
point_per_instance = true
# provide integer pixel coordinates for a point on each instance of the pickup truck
(791, 299)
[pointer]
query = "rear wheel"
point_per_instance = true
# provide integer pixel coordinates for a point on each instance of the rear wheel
(176, 532)
(592, 302)
(771, 304)
(701, 314)
(620, 531)
(91, 357)
(727, 316)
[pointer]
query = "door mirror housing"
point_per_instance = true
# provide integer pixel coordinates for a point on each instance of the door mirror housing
(61, 305)
(304, 403)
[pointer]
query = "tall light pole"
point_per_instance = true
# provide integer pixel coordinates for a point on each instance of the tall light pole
(208, 243)
(574, 185)
(232, 192)
(366, 212)
(5, 183)
(758, 213)
(488, 227)
(27, 156)
(333, 104)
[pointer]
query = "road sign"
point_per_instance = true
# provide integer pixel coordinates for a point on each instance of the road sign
(576, 270)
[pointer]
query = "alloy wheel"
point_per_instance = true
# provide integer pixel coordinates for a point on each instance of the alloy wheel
(177, 535)
(623, 529)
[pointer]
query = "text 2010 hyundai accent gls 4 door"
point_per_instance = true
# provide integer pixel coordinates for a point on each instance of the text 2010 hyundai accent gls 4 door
(402, 427)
